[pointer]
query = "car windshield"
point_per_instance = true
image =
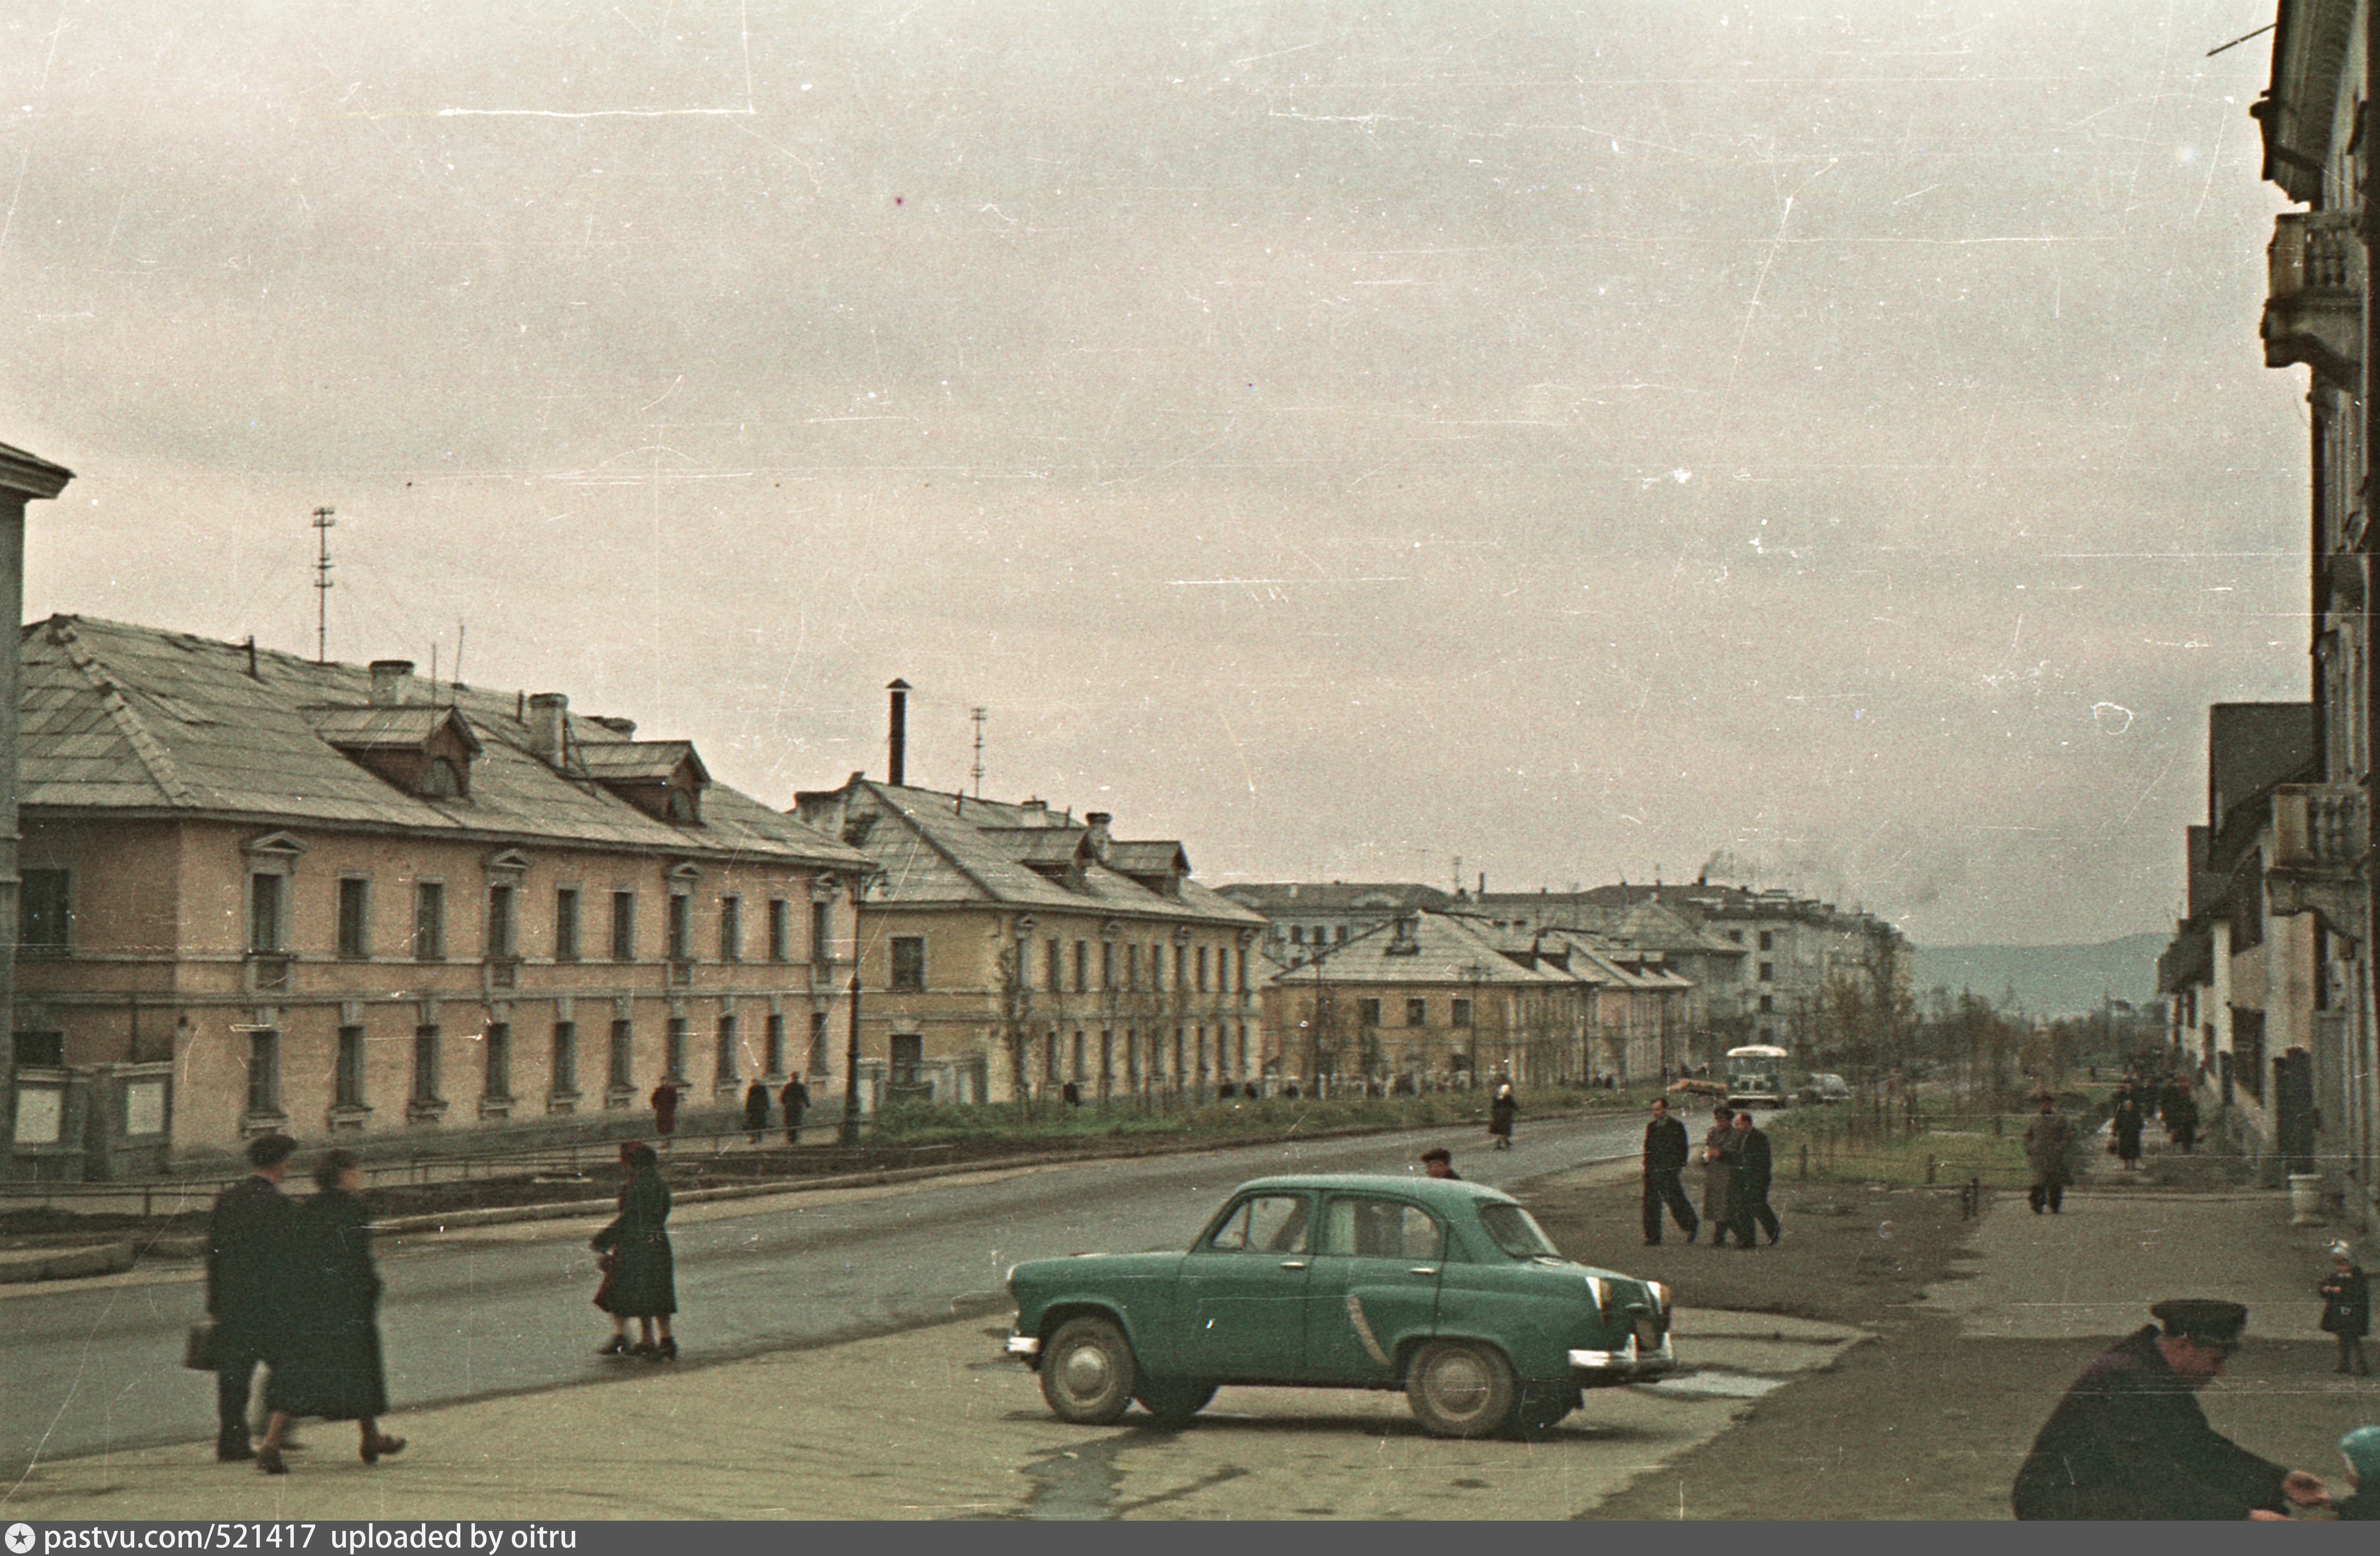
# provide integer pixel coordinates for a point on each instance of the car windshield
(1513, 1230)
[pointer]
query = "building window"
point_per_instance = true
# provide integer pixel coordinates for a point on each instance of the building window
(1460, 1015)
(674, 1050)
(1767, 1003)
(565, 1058)
(781, 914)
(41, 1049)
(1736, 935)
(1054, 966)
(425, 1064)
(1202, 969)
(347, 1081)
(1768, 940)
(429, 922)
(1132, 966)
(731, 928)
(1107, 964)
(355, 917)
(44, 913)
(1082, 967)
(565, 924)
(1767, 972)
(264, 1071)
(1338, 934)
(623, 1054)
(821, 930)
(726, 1060)
(1297, 934)
(908, 961)
(264, 898)
(1416, 1012)
(624, 926)
(1367, 1012)
(503, 941)
(498, 1043)
(908, 1059)
(1180, 967)
(1243, 967)
(776, 1045)
(681, 927)
(817, 1042)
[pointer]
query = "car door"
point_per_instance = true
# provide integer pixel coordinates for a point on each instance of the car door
(1373, 1285)
(1240, 1304)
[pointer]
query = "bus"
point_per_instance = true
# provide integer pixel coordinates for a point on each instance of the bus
(1756, 1076)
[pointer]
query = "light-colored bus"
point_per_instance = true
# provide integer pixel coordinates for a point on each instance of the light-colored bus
(1756, 1076)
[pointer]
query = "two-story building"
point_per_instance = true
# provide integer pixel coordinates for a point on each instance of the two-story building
(264, 894)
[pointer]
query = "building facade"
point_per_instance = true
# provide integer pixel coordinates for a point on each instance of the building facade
(263, 894)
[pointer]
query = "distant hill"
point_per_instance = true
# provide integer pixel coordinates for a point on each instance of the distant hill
(2047, 979)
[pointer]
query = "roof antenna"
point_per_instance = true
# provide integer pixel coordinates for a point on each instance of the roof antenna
(978, 753)
(323, 524)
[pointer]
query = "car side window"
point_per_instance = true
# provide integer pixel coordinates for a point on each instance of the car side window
(1263, 1223)
(1360, 1227)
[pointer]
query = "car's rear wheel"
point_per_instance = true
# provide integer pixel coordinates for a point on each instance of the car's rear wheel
(1174, 1403)
(1460, 1388)
(1087, 1373)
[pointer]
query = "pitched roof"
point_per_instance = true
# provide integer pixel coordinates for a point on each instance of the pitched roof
(946, 848)
(1282, 897)
(1433, 948)
(132, 721)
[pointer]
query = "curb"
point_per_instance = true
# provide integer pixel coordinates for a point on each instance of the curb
(67, 1264)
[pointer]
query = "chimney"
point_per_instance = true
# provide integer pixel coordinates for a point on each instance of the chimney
(392, 681)
(546, 724)
(897, 773)
(1097, 822)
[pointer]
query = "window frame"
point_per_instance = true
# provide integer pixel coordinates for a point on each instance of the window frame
(62, 944)
(352, 930)
(905, 970)
(429, 920)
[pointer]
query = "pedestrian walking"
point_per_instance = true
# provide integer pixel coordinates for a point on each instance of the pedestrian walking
(2049, 1152)
(2347, 1308)
(1747, 1189)
(1719, 1172)
(641, 1282)
(1665, 1158)
(2181, 1116)
(795, 1099)
(2130, 1440)
(248, 1235)
(2126, 1125)
(330, 1365)
(756, 1109)
(1501, 1112)
(1439, 1162)
(665, 1101)
(2361, 1449)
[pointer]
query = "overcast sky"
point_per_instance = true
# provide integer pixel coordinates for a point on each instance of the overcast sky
(1584, 439)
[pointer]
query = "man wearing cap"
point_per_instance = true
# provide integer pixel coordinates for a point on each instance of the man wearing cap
(2049, 1152)
(1665, 1158)
(248, 1256)
(2129, 1440)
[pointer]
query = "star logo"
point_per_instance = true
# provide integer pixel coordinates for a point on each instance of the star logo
(20, 1538)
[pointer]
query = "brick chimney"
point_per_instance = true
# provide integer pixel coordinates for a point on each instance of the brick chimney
(898, 734)
(547, 721)
(392, 682)
(1097, 821)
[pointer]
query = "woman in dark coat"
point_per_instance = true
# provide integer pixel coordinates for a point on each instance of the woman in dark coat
(2128, 1121)
(640, 1278)
(330, 1364)
(1719, 1172)
(2347, 1308)
(1500, 1116)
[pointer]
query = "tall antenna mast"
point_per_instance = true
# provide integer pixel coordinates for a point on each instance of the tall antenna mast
(978, 753)
(323, 524)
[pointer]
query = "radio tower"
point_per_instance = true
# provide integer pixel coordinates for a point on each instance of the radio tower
(978, 753)
(323, 524)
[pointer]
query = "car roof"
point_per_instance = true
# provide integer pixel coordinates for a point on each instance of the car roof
(1443, 1193)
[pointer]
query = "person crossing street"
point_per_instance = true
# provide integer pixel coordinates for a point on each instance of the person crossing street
(1665, 1159)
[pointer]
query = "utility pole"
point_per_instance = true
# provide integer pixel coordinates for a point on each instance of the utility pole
(978, 753)
(323, 525)
(850, 1134)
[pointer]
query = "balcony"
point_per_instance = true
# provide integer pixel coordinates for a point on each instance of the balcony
(2321, 844)
(2313, 294)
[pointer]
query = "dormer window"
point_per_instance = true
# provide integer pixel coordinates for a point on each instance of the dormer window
(663, 778)
(421, 750)
(441, 780)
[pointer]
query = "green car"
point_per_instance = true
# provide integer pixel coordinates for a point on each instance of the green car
(1447, 1289)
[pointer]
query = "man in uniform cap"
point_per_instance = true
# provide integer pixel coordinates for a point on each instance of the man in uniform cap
(2129, 1440)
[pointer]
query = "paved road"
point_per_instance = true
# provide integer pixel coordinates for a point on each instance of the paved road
(498, 1310)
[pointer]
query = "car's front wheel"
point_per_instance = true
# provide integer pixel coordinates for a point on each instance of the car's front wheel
(1460, 1388)
(1174, 1403)
(1087, 1373)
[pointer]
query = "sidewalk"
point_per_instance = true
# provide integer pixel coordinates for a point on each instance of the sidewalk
(934, 1423)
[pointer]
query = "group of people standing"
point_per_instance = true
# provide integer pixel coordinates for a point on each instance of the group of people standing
(291, 1284)
(1737, 1170)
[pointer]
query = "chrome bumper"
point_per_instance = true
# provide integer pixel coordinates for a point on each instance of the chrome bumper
(1030, 1345)
(1627, 1362)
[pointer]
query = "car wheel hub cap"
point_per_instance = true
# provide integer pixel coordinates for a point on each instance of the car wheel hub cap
(1086, 1371)
(1459, 1384)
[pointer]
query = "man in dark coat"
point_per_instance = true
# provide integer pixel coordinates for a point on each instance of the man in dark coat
(2049, 1152)
(2129, 1440)
(1747, 1188)
(795, 1099)
(1665, 1158)
(756, 1109)
(248, 1257)
(664, 1100)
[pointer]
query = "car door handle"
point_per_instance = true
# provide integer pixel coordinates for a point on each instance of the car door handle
(1292, 1264)
(1422, 1269)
